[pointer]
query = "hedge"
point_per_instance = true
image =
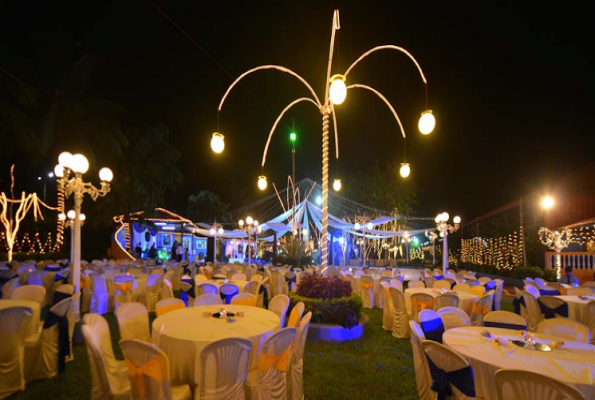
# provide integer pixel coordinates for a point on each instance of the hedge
(342, 311)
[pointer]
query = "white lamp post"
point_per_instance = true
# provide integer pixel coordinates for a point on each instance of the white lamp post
(216, 229)
(444, 228)
(76, 165)
(247, 227)
(70, 224)
(335, 94)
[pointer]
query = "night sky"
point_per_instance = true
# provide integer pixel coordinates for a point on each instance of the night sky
(511, 85)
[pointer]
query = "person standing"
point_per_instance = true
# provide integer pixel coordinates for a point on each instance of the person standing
(180, 252)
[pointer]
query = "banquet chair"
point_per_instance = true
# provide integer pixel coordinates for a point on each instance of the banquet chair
(223, 370)
(441, 284)
(420, 301)
(453, 317)
(290, 284)
(295, 379)
(446, 300)
(484, 279)
(295, 316)
(279, 305)
(36, 278)
(498, 295)
(13, 329)
(416, 284)
(441, 359)
(519, 306)
(477, 290)
(534, 316)
(472, 282)
(123, 290)
(558, 286)
(29, 292)
(400, 318)
(107, 381)
(591, 288)
(450, 281)
(579, 291)
(387, 311)
(99, 297)
(432, 325)
(533, 289)
(252, 288)
(133, 321)
(518, 384)
(553, 307)
(167, 305)
(46, 353)
(188, 291)
(157, 271)
(154, 283)
(62, 292)
(527, 279)
(462, 287)
(176, 278)
(396, 283)
(481, 307)
(207, 288)
(239, 277)
(227, 291)
(367, 291)
(589, 318)
(208, 300)
(9, 287)
(351, 280)
(168, 275)
(430, 281)
(269, 381)
(565, 328)
(244, 299)
(148, 372)
(200, 278)
(423, 378)
(540, 282)
(504, 319)
(256, 278)
(166, 291)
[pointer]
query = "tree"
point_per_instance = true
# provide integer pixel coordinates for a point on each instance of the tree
(206, 207)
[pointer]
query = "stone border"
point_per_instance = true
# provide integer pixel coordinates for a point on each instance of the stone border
(332, 332)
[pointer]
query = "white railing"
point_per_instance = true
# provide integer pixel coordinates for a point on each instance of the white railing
(574, 259)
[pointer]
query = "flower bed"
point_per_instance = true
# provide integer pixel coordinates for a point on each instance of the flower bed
(330, 300)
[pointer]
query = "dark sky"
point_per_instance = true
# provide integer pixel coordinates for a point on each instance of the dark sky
(511, 85)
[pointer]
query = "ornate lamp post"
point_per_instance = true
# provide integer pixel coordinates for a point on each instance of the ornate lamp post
(215, 230)
(247, 227)
(433, 236)
(70, 224)
(75, 166)
(444, 228)
(335, 94)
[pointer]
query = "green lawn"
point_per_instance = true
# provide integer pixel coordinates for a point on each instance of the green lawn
(377, 366)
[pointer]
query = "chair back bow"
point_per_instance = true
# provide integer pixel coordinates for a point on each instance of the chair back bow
(478, 308)
(281, 362)
(438, 277)
(550, 312)
(226, 297)
(369, 285)
(265, 295)
(549, 292)
(422, 305)
(154, 369)
(504, 325)
(123, 287)
(443, 381)
(433, 329)
(63, 337)
(491, 285)
(59, 296)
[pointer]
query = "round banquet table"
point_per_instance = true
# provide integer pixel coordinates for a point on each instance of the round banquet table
(573, 364)
(576, 307)
(183, 334)
(466, 300)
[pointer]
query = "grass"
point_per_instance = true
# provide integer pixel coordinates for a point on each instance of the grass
(378, 366)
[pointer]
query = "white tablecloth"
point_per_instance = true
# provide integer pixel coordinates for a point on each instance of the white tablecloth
(33, 305)
(183, 334)
(466, 300)
(573, 364)
(576, 308)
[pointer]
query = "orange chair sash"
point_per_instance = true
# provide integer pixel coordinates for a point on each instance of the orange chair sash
(368, 285)
(153, 369)
(480, 309)
(85, 282)
(266, 361)
(123, 287)
(421, 305)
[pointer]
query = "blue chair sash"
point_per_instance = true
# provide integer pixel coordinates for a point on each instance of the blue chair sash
(517, 303)
(265, 296)
(219, 278)
(184, 295)
(546, 292)
(5, 279)
(551, 312)
(438, 277)
(433, 329)
(59, 296)
(63, 338)
(291, 281)
(462, 379)
(227, 297)
(51, 269)
(504, 325)
(491, 285)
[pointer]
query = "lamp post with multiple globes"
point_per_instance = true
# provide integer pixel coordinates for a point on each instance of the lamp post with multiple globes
(216, 229)
(335, 94)
(444, 228)
(247, 227)
(70, 224)
(69, 171)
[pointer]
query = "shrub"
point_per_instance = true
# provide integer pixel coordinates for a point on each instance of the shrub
(342, 311)
(517, 272)
(316, 287)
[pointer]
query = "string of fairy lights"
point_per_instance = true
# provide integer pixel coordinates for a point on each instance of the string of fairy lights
(26, 244)
(503, 252)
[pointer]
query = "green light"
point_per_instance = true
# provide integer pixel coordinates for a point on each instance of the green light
(292, 136)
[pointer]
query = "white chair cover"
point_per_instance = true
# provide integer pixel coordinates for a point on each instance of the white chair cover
(479, 290)
(553, 303)
(446, 300)
(208, 300)
(504, 319)
(565, 328)
(429, 281)
(534, 316)
(295, 384)
(139, 354)
(176, 278)
(133, 321)
(187, 288)
(207, 288)
(154, 283)
(387, 311)
(279, 305)
(166, 290)
(396, 284)
(252, 287)
(296, 315)
(498, 295)
(224, 369)
(453, 317)
(367, 291)
(484, 279)
(99, 299)
(481, 308)
(106, 383)
(239, 277)
(30, 292)
(13, 329)
(516, 384)
(533, 290)
(589, 318)
(9, 287)
(523, 310)
(419, 302)
(447, 360)
(422, 372)
(246, 299)
(441, 284)
(579, 291)
(462, 287)
(400, 317)
(269, 383)
(416, 284)
(123, 289)
(167, 305)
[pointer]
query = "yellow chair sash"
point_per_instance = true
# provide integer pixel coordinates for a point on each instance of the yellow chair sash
(480, 309)
(244, 302)
(123, 287)
(154, 369)
(171, 307)
(294, 319)
(368, 285)
(266, 361)
(388, 293)
(85, 282)
(421, 305)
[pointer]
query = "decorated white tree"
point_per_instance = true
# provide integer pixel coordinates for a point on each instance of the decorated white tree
(557, 241)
